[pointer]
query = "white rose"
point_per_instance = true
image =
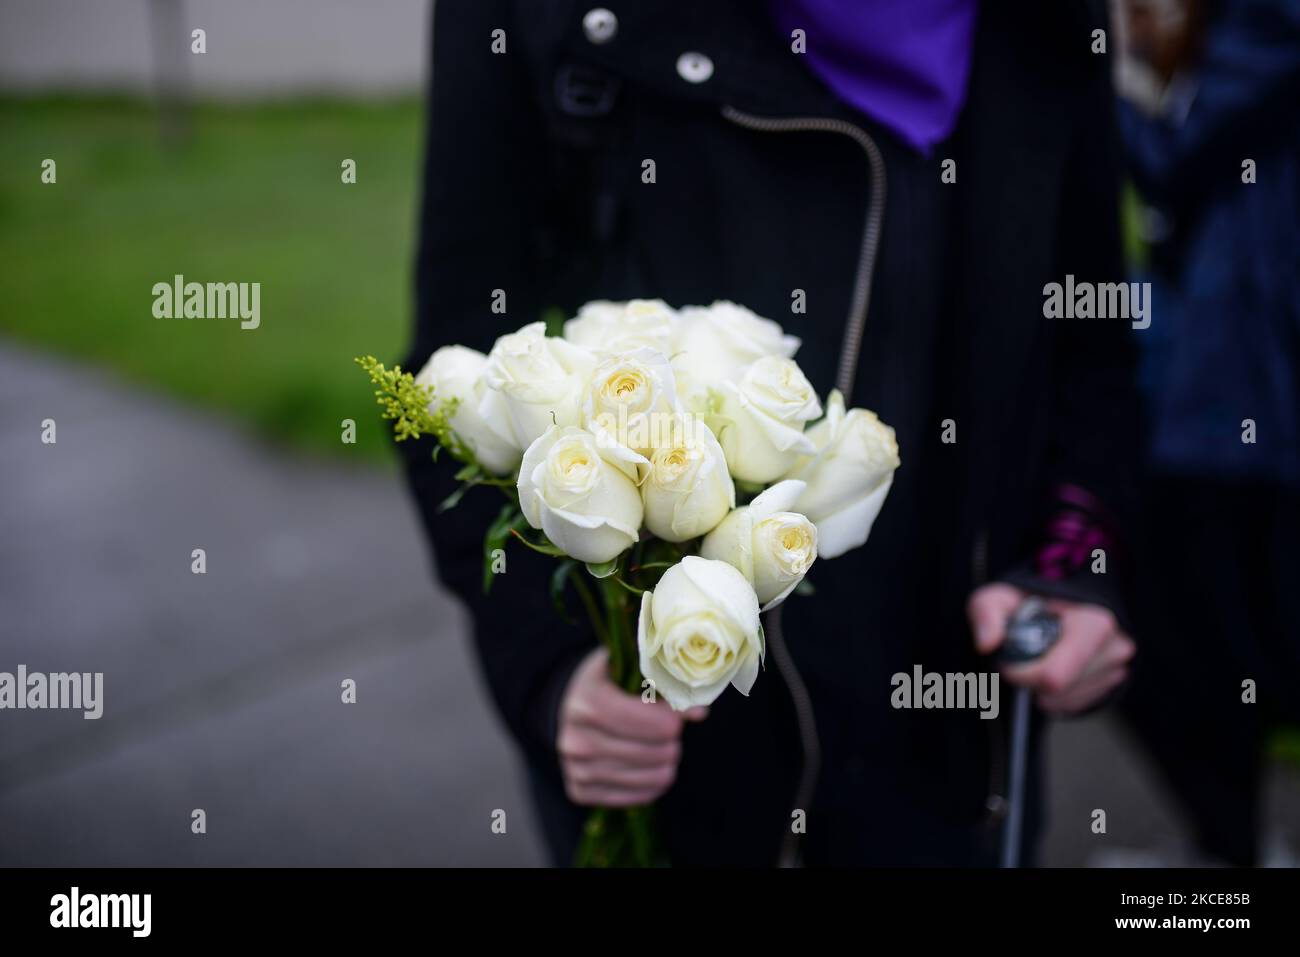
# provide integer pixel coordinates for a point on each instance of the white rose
(772, 546)
(630, 400)
(587, 505)
(760, 419)
(542, 379)
(687, 490)
(716, 344)
(849, 477)
(480, 421)
(604, 326)
(699, 631)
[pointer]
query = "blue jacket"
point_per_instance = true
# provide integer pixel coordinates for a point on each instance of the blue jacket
(1224, 341)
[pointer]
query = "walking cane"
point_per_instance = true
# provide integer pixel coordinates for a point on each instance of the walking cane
(1031, 631)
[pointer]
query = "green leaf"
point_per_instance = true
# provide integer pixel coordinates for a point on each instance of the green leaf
(470, 476)
(452, 500)
(658, 552)
(657, 556)
(498, 534)
(602, 569)
(554, 318)
(805, 588)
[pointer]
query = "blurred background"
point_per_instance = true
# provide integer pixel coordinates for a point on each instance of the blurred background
(222, 690)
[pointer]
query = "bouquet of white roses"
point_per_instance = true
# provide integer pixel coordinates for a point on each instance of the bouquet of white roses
(679, 467)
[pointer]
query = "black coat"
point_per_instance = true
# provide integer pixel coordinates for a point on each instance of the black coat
(534, 185)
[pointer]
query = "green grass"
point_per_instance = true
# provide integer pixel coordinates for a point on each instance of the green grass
(1284, 745)
(254, 195)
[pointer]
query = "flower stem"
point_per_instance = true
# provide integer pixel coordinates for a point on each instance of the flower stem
(617, 837)
(589, 603)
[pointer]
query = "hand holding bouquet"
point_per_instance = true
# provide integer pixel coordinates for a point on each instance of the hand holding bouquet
(679, 468)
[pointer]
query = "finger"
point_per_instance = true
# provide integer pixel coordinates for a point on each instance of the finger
(1086, 694)
(987, 610)
(1112, 653)
(611, 797)
(1121, 651)
(614, 774)
(1084, 632)
(592, 670)
(583, 743)
(627, 716)
(596, 662)
(696, 714)
(1117, 650)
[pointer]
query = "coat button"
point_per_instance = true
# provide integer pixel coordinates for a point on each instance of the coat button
(694, 67)
(600, 25)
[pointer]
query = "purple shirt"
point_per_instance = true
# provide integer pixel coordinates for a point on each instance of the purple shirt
(904, 63)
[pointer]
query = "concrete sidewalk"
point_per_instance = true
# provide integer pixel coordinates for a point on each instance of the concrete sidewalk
(223, 690)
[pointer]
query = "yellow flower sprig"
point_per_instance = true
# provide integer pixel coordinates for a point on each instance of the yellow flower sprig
(412, 408)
